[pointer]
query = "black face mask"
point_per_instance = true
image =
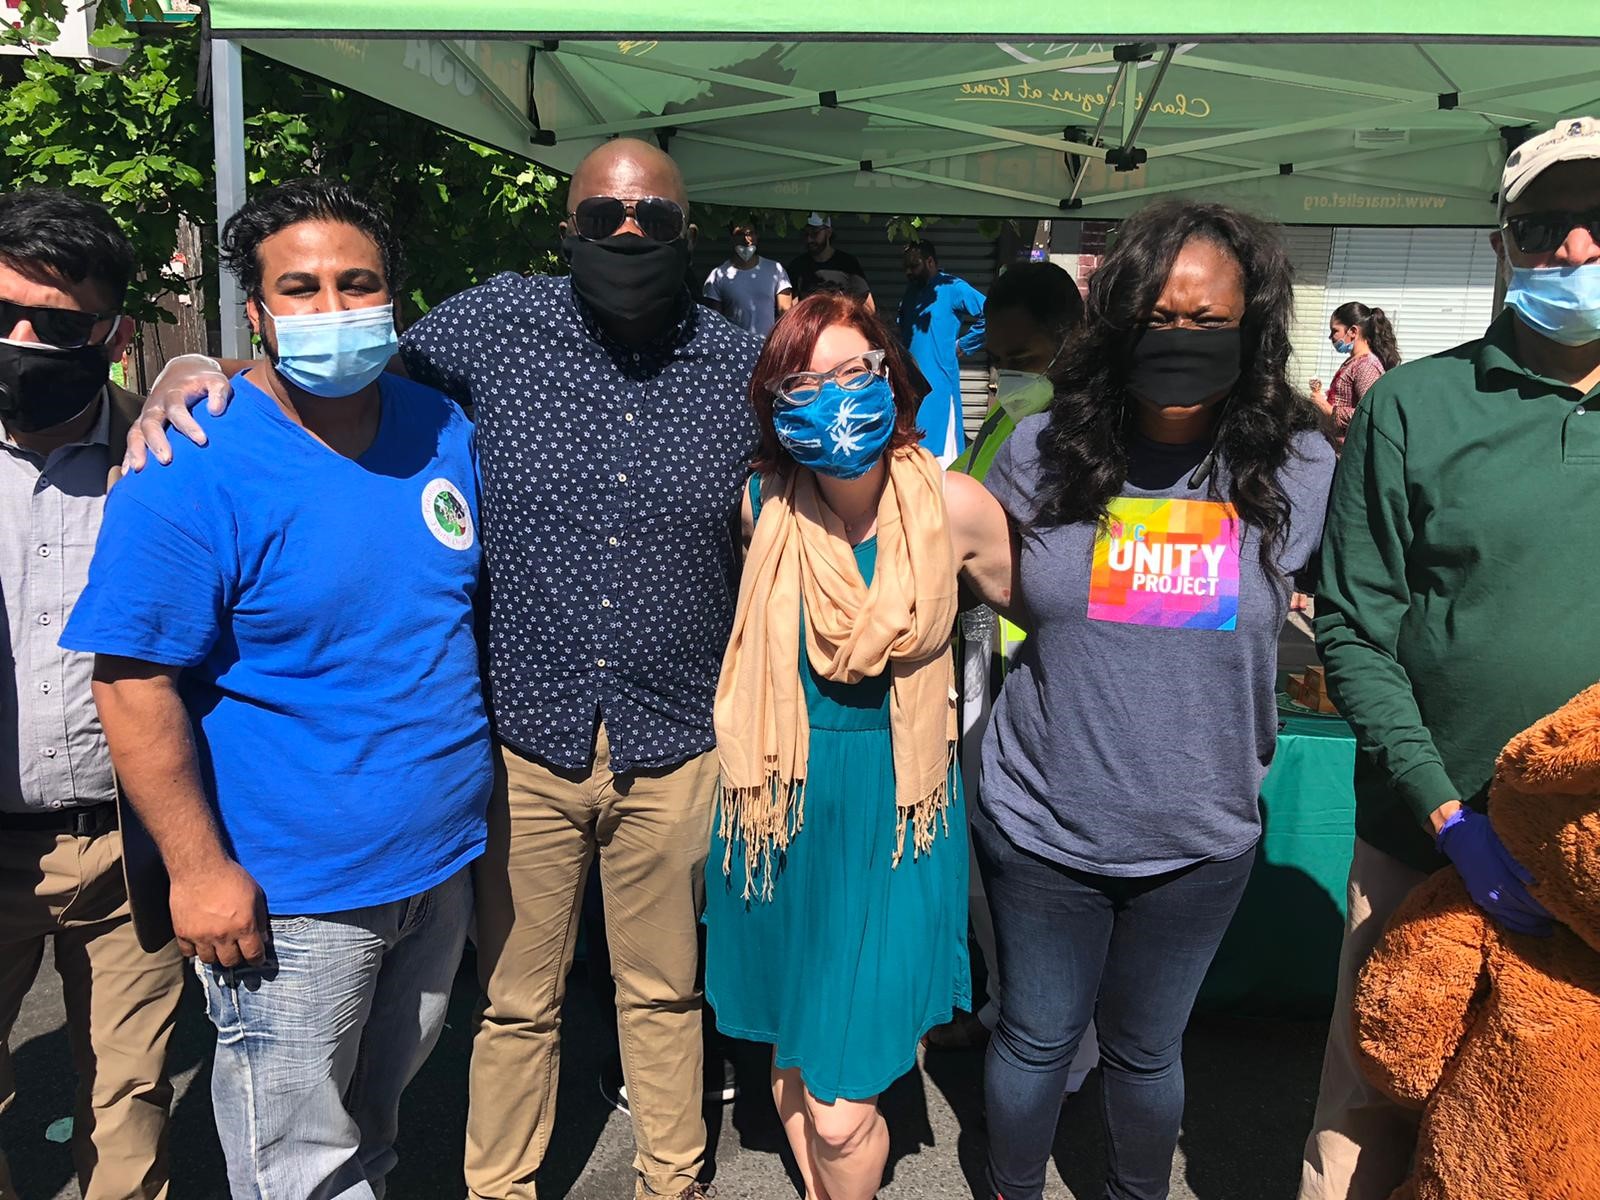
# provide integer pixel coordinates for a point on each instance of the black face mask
(1180, 368)
(634, 284)
(42, 387)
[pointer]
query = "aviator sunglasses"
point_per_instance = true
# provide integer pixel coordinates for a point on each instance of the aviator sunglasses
(598, 217)
(1542, 232)
(64, 328)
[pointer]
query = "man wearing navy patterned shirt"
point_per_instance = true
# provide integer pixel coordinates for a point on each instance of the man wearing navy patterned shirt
(614, 435)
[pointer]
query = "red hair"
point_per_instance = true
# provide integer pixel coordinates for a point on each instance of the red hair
(789, 348)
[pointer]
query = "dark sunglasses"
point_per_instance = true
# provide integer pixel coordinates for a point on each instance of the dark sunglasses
(1542, 232)
(66, 328)
(601, 216)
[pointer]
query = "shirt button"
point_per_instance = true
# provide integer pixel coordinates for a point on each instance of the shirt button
(44, 481)
(44, 551)
(635, 358)
(629, 416)
(605, 604)
(1582, 410)
(49, 751)
(613, 541)
(44, 618)
(599, 662)
(622, 477)
(45, 687)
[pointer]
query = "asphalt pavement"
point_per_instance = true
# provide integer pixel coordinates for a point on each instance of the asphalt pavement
(1251, 1085)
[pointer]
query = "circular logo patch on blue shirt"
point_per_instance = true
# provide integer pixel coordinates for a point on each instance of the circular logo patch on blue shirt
(445, 512)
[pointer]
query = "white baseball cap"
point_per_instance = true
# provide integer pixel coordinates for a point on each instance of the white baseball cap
(817, 221)
(1571, 140)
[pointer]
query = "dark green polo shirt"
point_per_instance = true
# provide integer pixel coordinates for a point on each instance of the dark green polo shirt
(1460, 577)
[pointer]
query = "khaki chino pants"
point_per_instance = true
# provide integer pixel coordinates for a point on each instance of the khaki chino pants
(121, 1003)
(651, 831)
(1361, 1141)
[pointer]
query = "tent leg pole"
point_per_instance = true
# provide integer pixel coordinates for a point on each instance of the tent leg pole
(227, 124)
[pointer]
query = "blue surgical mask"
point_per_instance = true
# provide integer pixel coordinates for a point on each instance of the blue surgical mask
(1344, 347)
(841, 433)
(335, 354)
(1562, 303)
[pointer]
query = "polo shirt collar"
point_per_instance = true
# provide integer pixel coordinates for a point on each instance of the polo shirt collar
(1498, 352)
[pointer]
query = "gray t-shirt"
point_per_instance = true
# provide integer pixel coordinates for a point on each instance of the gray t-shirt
(748, 296)
(1134, 729)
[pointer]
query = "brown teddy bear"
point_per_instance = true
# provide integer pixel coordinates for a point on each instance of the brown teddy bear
(1496, 1035)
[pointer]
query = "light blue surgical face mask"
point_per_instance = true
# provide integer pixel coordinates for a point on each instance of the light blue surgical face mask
(1562, 303)
(335, 354)
(1344, 347)
(840, 432)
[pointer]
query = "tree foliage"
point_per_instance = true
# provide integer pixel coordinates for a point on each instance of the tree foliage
(138, 137)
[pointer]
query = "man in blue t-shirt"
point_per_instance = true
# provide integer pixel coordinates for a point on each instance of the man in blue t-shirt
(288, 678)
(930, 320)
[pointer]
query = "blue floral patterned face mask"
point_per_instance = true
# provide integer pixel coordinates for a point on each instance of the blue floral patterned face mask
(838, 431)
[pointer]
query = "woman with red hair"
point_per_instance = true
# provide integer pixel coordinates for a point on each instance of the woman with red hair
(838, 930)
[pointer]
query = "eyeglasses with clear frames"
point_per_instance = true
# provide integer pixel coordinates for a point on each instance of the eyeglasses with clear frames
(800, 388)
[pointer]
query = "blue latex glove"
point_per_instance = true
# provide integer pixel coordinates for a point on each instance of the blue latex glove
(1496, 881)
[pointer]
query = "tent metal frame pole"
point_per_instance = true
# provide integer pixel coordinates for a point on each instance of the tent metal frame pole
(227, 133)
(832, 164)
(1131, 135)
(996, 132)
(501, 100)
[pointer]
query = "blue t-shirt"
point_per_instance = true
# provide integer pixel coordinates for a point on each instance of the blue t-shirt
(322, 608)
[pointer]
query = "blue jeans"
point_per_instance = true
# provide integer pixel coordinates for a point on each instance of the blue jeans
(315, 1046)
(1128, 953)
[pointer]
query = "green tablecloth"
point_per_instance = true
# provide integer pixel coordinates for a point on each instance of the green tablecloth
(1281, 954)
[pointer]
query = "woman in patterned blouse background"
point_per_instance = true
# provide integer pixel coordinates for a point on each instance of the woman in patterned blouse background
(1367, 337)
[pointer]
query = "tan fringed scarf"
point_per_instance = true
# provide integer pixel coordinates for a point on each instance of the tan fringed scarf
(902, 624)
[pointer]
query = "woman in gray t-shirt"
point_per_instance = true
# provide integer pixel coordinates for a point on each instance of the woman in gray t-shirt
(1163, 504)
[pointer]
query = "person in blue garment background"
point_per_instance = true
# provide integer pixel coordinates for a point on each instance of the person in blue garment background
(935, 307)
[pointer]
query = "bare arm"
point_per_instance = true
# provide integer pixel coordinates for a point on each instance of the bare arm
(785, 300)
(183, 383)
(218, 911)
(985, 545)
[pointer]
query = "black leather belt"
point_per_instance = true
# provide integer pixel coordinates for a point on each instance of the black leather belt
(85, 820)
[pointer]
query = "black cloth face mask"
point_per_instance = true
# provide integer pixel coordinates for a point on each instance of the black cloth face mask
(42, 387)
(635, 285)
(1181, 368)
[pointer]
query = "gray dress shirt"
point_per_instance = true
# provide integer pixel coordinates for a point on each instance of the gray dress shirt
(53, 752)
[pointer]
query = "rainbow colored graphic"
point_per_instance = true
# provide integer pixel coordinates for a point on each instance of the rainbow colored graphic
(1168, 563)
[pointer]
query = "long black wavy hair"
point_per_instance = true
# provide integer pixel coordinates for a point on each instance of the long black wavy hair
(1093, 419)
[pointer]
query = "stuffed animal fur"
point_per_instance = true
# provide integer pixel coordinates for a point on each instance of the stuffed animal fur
(1496, 1035)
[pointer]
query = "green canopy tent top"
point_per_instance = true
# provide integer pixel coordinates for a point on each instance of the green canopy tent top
(993, 109)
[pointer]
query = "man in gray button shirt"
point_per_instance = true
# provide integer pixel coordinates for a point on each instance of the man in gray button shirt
(64, 269)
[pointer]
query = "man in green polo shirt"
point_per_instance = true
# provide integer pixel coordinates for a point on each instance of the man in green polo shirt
(1460, 563)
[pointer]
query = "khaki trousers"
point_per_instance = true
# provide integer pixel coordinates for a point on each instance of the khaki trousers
(651, 830)
(1361, 1141)
(121, 1005)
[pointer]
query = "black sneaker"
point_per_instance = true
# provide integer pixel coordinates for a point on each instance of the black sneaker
(722, 1085)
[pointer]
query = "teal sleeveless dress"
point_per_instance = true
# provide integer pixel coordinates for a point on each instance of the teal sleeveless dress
(852, 960)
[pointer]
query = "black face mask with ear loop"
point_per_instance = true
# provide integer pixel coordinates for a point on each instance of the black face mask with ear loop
(1183, 368)
(42, 387)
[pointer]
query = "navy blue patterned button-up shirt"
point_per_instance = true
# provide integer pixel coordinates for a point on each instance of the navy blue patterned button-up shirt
(611, 481)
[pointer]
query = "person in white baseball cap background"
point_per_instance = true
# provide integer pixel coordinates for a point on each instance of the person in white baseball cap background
(1462, 538)
(823, 268)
